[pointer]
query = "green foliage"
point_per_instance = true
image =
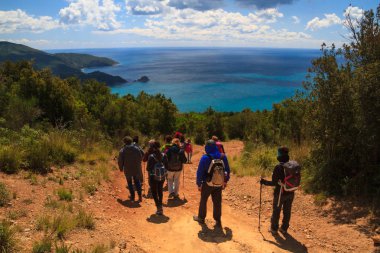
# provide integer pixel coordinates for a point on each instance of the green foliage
(4, 195)
(344, 112)
(8, 241)
(62, 248)
(43, 246)
(65, 194)
(10, 159)
(85, 220)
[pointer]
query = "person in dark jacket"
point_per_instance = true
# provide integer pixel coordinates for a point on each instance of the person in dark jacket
(156, 186)
(129, 161)
(286, 197)
(212, 152)
(176, 159)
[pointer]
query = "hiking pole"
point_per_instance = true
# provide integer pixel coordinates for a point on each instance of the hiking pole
(261, 187)
(144, 179)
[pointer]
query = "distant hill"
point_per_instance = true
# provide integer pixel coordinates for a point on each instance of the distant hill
(63, 64)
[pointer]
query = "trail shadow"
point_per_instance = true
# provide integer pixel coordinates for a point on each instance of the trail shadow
(157, 219)
(347, 210)
(288, 243)
(215, 235)
(128, 203)
(175, 202)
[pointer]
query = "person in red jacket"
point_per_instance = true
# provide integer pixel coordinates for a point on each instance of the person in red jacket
(218, 144)
(188, 150)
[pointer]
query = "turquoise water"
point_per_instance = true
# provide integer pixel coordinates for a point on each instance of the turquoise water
(227, 79)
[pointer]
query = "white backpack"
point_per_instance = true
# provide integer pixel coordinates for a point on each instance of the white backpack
(215, 172)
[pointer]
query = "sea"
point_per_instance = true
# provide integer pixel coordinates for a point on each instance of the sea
(226, 79)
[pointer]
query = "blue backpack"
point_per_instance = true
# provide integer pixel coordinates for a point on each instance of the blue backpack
(159, 171)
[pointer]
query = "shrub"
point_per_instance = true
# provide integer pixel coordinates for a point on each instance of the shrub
(65, 194)
(37, 157)
(10, 159)
(44, 246)
(90, 186)
(7, 237)
(4, 195)
(43, 223)
(85, 220)
(16, 214)
(61, 150)
(62, 224)
(62, 248)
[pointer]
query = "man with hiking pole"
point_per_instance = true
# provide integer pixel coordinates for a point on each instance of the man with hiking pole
(286, 179)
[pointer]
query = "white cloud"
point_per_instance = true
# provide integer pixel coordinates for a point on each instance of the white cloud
(91, 12)
(145, 7)
(295, 19)
(20, 21)
(354, 12)
(329, 20)
(215, 25)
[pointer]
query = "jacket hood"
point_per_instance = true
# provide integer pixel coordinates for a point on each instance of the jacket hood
(212, 150)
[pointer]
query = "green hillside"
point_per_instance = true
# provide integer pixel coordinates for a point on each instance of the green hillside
(63, 65)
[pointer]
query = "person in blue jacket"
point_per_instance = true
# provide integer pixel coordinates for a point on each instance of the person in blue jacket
(206, 190)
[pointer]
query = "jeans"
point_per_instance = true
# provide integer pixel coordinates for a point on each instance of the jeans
(216, 195)
(286, 204)
(157, 189)
(137, 182)
(173, 181)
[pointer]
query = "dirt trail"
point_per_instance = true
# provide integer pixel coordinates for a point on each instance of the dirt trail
(176, 230)
(133, 227)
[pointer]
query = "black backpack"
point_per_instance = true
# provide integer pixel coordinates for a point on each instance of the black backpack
(216, 172)
(175, 163)
(159, 171)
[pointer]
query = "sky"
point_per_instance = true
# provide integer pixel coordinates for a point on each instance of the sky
(70, 24)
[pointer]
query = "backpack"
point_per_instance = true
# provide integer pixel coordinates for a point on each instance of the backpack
(292, 180)
(175, 163)
(215, 173)
(159, 171)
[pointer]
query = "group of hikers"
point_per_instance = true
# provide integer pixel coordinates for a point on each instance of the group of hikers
(165, 163)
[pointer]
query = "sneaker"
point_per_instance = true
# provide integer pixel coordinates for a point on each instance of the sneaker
(199, 220)
(283, 231)
(272, 231)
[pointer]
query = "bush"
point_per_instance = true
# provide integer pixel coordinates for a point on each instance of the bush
(7, 238)
(4, 195)
(44, 246)
(10, 159)
(60, 148)
(62, 224)
(37, 157)
(65, 194)
(62, 248)
(85, 220)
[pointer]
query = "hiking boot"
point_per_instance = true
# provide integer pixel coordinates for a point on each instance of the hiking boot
(199, 220)
(218, 224)
(283, 231)
(272, 231)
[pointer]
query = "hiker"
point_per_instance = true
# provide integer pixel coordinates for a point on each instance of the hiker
(182, 142)
(146, 158)
(188, 150)
(176, 159)
(286, 197)
(218, 144)
(167, 145)
(157, 167)
(129, 161)
(212, 176)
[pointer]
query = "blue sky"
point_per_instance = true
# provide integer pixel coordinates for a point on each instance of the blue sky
(59, 24)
